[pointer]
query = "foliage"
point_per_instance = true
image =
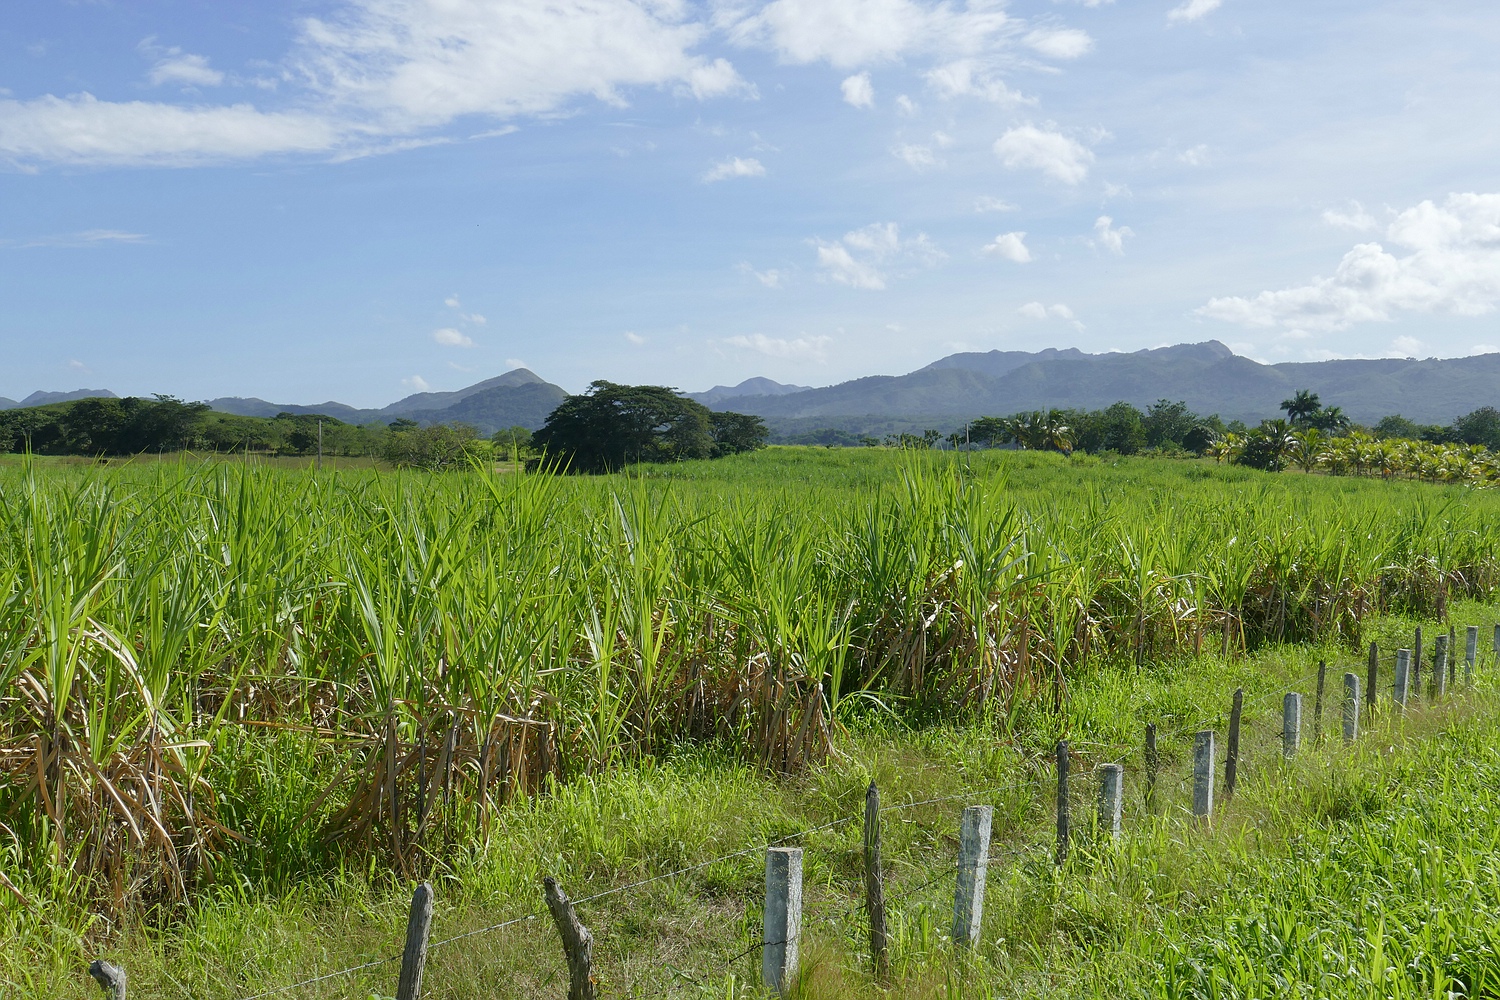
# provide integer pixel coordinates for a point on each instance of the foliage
(736, 433)
(438, 448)
(611, 426)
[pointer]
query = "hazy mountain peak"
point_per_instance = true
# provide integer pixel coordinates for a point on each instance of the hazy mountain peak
(754, 386)
(40, 398)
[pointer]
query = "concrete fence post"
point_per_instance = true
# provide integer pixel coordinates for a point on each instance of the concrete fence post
(1439, 666)
(1291, 724)
(1403, 678)
(1232, 756)
(1111, 798)
(1351, 707)
(1318, 703)
(973, 864)
(1471, 652)
(1372, 670)
(1062, 802)
(782, 929)
(1203, 775)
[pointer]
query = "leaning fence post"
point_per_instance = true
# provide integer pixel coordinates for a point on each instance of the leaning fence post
(418, 925)
(1203, 775)
(1439, 666)
(1153, 763)
(1062, 801)
(783, 922)
(1351, 707)
(1471, 652)
(874, 882)
(1111, 797)
(973, 862)
(578, 943)
(1232, 759)
(1291, 724)
(1403, 677)
(109, 977)
(1318, 703)
(1371, 679)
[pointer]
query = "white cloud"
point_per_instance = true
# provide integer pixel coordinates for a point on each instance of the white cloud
(1356, 218)
(1193, 10)
(1407, 347)
(1112, 239)
(735, 167)
(186, 69)
(452, 302)
(967, 78)
(813, 348)
(514, 363)
(906, 107)
(1047, 150)
(864, 257)
(916, 157)
(771, 278)
(1060, 43)
(634, 339)
(1010, 246)
(989, 203)
(1453, 267)
(1197, 156)
(377, 74)
(78, 366)
(417, 382)
(449, 337)
(1485, 349)
(87, 238)
(1040, 311)
(853, 33)
(858, 91)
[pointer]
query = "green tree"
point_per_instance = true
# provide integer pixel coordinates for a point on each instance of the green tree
(612, 425)
(1268, 446)
(1482, 426)
(1303, 405)
(1167, 424)
(735, 433)
(512, 442)
(438, 448)
(989, 431)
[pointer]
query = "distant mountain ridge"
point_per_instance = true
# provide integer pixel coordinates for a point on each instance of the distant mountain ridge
(1209, 377)
(40, 398)
(756, 386)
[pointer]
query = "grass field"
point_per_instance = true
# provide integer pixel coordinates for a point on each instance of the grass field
(245, 707)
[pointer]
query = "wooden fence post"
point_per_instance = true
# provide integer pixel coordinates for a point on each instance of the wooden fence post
(782, 929)
(875, 883)
(1203, 775)
(1291, 724)
(1232, 758)
(1062, 801)
(1153, 762)
(109, 977)
(1318, 703)
(414, 957)
(1371, 678)
(973, 864)
(1414, 671)
(578, 943)
(1403, 677)
(1439, 666)
(1351, 707)
(1495, 646)
(1452, 657)
(1111, 797)
(1471, 652)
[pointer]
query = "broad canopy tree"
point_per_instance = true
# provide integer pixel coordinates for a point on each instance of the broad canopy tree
(610, 426)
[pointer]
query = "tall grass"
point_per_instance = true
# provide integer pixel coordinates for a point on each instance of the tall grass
(437, 645)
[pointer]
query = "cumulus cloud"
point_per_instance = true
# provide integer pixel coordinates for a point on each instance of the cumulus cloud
(989, 203)
(634, 339)
(866, 258)
(1009, 246)
(853, 33)
(1197, 156)
(812, 348)
(1193, 10)
(1041, 311)
(1109, 237)
(858, 91)
(906, 107)
(417, 382)
(449, 337)
(968, 78)
(914, 156)
(1356, 218)
(1060, 43)
(734, 167)
(1047, 150)
(183, 68)
(1453, 266)
(377, 74)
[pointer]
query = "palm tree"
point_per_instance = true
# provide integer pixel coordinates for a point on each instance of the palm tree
(1308, 447)
(1301, 407)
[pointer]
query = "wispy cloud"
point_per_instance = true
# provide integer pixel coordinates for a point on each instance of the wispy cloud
(1193, 10)
(735, 167)
(449, 337)
(812, 348)
(866, 258)
(1109, 236)
(84, 239)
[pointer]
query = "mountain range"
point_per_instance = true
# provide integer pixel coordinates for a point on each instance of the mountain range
(1209, 377)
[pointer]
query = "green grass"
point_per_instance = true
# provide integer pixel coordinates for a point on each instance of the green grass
(225, 673)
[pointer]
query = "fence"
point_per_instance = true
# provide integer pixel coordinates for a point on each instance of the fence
(783, 911)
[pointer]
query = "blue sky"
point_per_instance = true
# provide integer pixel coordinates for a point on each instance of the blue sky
(306, 201)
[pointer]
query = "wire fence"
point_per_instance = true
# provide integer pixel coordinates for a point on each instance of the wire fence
(1268, 739)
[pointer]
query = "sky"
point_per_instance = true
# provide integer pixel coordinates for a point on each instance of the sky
(356, 200)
